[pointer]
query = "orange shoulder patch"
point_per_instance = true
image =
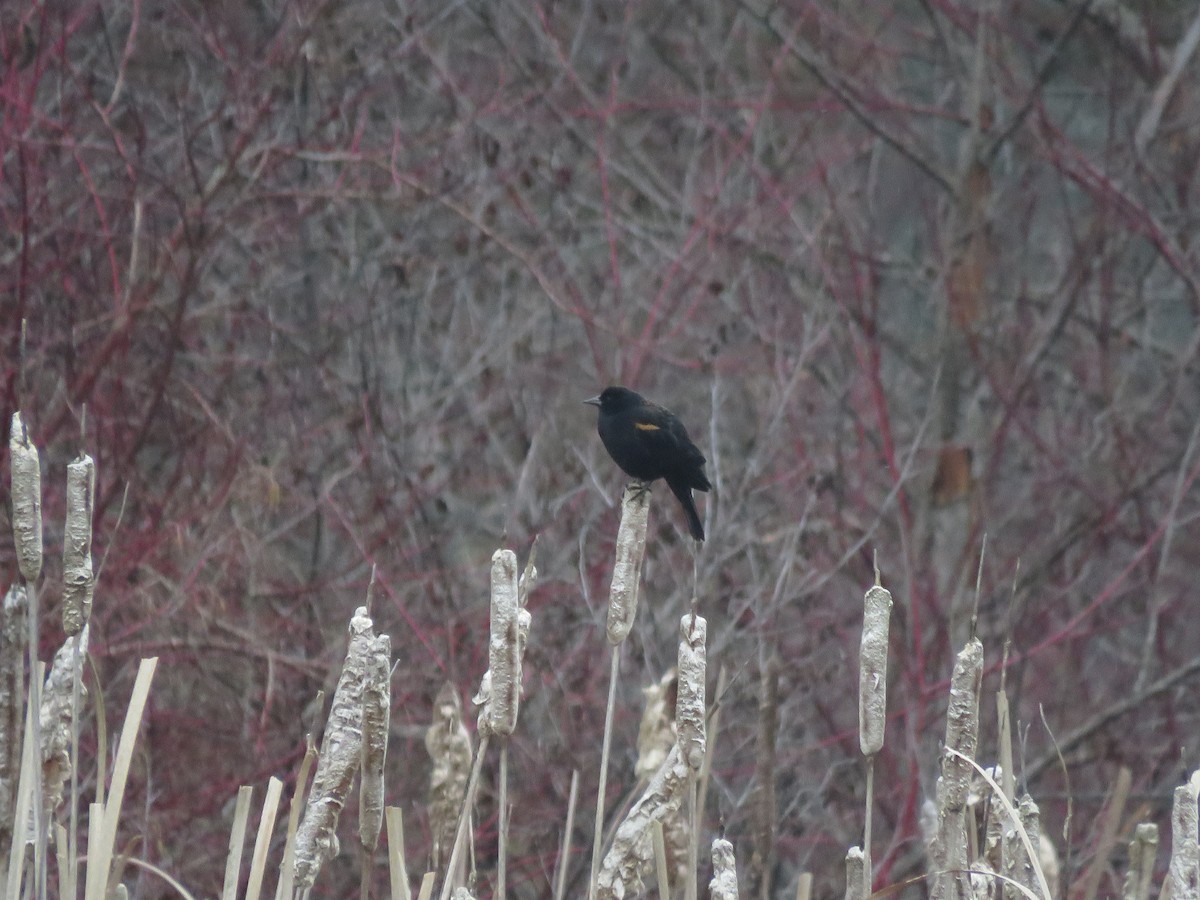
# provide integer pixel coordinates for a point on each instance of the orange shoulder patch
(645, 426)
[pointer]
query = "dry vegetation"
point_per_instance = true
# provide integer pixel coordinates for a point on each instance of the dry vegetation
(319, 287)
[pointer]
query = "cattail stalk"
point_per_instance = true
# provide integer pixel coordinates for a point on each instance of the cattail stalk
(954, 784)
(13, 643)
(872, 702)
(26, 500)
(632, 848)
(376, 716)
(341, 755)
(690, 723)
(1016, 864)
(78, 579)
(627, 568)
(620, 874)
(689, 705)
(501, 693)
(872, 675)
(26, 472)
(622, 609)
(504, 660)
(79, 585)
(57, 721)
(564, 856)
(287, 870)
(856, 876)
(1185, 844)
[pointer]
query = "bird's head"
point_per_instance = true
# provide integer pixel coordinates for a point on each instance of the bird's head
(614, 399)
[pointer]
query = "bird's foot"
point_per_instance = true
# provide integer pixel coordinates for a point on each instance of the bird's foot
(639, 488)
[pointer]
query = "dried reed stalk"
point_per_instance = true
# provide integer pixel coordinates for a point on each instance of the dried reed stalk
(397, 864)
(1114, 813)
(564, 855)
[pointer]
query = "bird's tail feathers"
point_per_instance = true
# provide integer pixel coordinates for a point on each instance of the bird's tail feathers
(682, 491)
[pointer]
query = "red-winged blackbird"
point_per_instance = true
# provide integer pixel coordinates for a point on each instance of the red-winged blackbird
(649, 442)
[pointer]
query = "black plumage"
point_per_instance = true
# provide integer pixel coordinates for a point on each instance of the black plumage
(649, 442)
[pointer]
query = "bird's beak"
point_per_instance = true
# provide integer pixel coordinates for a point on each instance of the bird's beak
(594, 401)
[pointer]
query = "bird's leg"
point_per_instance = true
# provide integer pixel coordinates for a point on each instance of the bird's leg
(640, 488)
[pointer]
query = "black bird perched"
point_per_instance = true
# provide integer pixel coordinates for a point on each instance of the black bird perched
(648, 442)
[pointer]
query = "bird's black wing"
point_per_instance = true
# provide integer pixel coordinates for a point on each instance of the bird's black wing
(661, 432)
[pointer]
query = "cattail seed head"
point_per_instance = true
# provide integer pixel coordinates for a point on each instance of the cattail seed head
(377, 706)
(689, 708)
(627, 569)
(872, 676)
(26, 500)
(449, 747)
(856, 874)
(57, 720)
(1185, 851)
(341, 757)
(962, 724)
(78, 577)
(724, 884)
(504, 646)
